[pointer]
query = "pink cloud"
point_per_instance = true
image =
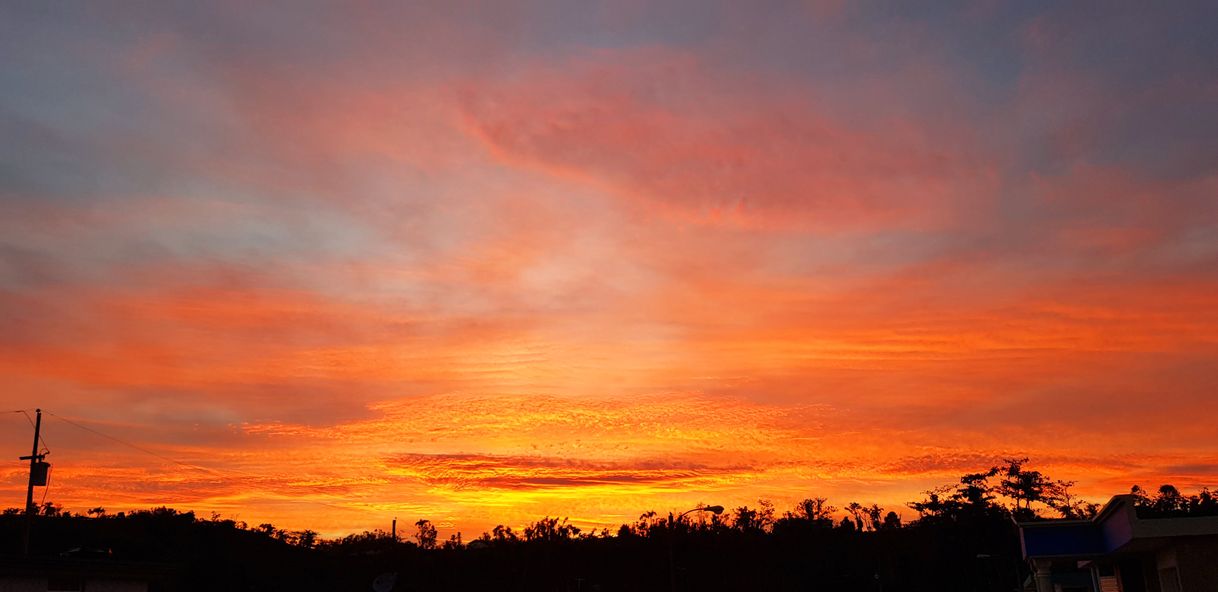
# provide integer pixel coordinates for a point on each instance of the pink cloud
(682, 141)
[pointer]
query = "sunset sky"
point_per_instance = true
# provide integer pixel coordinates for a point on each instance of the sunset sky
(328, 264)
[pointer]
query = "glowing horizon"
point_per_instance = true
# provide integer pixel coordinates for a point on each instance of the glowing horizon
(484, 263)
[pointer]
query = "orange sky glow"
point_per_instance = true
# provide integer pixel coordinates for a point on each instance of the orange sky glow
(484, 263)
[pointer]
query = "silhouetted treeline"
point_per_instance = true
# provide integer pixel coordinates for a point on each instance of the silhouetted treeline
(1168, 502)
(963, 537)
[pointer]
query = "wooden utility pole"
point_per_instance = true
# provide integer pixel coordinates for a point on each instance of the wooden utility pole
(34, 459)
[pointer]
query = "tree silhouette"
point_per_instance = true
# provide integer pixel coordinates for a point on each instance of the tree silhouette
(812, 546)
(500, 534)
(813, 512)
(1169, 501)
(306, 538)
(1026, 487)
(426, 535)
(453, 542)
(755, 520)
(856, 513)
(550, 529)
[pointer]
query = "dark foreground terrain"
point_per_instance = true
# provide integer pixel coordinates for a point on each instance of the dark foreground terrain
(964, 538)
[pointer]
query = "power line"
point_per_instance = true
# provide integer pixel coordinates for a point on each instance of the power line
(225, 473)
(134, 446)
(46, 448)
(46, 488)
(157, 455)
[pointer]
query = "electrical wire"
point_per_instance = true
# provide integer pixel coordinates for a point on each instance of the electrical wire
(225, 473)
(134, 446)
(46, 487)
(46, 449)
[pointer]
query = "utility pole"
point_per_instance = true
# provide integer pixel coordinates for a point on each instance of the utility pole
(395, 529)
(37, 473)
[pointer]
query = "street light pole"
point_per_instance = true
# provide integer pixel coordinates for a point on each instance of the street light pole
(712, 509)
(672, 571)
